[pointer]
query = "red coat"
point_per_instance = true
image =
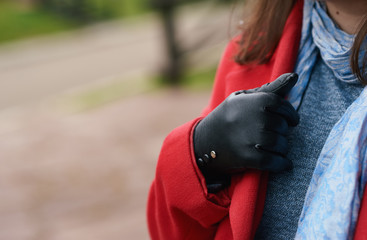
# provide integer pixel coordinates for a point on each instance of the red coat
(179, 206)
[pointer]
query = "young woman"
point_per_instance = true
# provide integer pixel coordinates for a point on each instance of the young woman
(275, 155)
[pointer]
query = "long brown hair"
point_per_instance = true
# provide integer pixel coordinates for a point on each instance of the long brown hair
(264, 26)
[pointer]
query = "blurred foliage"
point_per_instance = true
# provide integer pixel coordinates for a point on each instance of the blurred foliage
(19, 21)
(94, 10)
(36, 17)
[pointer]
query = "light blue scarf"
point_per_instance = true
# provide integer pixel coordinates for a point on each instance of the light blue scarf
(333, 198)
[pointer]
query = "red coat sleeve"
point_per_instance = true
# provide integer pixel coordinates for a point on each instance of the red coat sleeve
(179, 206)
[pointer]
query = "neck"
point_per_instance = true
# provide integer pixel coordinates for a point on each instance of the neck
(347, 14)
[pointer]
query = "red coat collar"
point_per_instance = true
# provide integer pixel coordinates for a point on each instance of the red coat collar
(248, 196)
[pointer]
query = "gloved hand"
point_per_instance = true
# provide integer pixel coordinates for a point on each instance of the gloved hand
(247, 130)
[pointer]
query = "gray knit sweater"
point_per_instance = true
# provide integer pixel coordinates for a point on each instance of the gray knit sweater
(324, 102)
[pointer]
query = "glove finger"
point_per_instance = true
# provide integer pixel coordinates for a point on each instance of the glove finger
(217, 183)
(273, 162)
(273, 143)
(258, 158)
(215, 187)
(286, 110)
(276, 123)
(280, 86)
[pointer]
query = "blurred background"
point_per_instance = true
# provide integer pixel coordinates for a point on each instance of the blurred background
(88, 91)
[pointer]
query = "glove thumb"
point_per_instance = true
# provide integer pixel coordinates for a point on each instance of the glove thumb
(282, 85)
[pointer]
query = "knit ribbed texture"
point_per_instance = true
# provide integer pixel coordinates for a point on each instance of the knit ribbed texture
(324, 102)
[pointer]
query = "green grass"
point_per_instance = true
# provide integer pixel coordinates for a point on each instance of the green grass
(110, 92)
(199, 80)
(129, 8)
(18, 21)
(192, 79)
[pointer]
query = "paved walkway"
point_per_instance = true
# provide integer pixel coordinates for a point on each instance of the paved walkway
(85, 175)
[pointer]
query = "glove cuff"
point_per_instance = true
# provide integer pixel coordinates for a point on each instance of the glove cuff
(214, 182)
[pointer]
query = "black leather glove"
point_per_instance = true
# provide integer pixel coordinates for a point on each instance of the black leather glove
(247, 130)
